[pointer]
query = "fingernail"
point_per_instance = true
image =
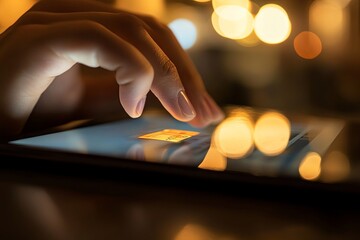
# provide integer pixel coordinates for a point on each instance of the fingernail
(185, 106)
(140, 106)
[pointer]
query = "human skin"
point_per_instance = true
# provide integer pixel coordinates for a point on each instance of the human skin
(54, 37)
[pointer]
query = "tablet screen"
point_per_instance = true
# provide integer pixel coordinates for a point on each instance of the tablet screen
(266, 143)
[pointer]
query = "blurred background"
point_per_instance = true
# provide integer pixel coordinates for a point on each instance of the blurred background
(296, 56)
(300, 55)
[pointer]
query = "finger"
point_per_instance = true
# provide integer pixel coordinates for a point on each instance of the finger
(134, 73)
(167, 85)
(55, 49)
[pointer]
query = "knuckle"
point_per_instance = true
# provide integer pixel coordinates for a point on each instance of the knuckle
(127, 25)
(133, 23)
(88, 24)
(143, 70)
(168, 68)
(89, 31)
(89, 27)
(149, 72)
(134, 27)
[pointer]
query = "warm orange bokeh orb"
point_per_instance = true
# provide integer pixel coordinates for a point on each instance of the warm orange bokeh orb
(307, 45)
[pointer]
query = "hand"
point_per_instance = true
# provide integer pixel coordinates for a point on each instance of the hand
(54, 36)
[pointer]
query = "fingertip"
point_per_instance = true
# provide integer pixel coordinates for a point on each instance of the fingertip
(135, 110)
(208, 112)
(132, 103)
(140, 106)
(185, 106)
(216, 113)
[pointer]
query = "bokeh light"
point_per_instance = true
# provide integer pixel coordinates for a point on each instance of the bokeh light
(250, 41)
(154, 7)
(216, 25)
(233, 22)
(213, 160)
(272, 133)
(339, 3)
(310, 166)
(194, 232)
(272, 24)
(185, 32)
(10, 11)
(234, 137)
(307, 45)
(327, 20)
(202, 1)
(234, 4)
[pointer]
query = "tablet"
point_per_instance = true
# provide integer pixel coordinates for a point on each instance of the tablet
(248, 141)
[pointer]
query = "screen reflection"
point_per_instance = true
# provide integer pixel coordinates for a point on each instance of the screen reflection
(268, 143)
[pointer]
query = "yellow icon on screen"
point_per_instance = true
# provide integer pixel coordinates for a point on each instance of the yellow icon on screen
(169, 135)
